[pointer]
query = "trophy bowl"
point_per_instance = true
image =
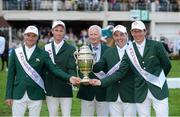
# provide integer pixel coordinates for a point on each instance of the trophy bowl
(84, 62)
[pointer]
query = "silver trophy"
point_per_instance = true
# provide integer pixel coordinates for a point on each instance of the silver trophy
(84, 61)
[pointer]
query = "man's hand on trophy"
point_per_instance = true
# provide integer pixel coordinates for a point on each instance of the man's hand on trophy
(95, 82)
(74, 80)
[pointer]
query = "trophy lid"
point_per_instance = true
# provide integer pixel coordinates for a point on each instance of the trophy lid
(85, 49)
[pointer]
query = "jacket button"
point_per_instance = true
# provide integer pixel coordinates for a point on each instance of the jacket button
(144, 67)
(143, 62)
(119, 81)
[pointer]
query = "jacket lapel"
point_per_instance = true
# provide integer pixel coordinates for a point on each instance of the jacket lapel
(53, 48)
(103, 48)
(146, 49)
(63, 48)
(137, 51)
(116, 54)
(34, 54)
(24, 52)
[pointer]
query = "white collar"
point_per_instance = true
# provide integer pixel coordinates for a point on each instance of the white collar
(142, 45)
(59, 45)
(30, 49)
(121, 49)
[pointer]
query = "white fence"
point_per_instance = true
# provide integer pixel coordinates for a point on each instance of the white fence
(173, 82)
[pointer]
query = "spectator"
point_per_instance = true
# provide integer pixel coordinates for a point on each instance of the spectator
(2, 43)
(165, 45)
(178, 47)
(3, 49)
(4, 56)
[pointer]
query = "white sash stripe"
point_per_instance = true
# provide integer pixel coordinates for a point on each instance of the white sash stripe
(48, 48)
(102, 75)
(28, 69)
(158, 81)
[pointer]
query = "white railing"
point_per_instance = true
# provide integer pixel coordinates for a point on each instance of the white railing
(173, 82)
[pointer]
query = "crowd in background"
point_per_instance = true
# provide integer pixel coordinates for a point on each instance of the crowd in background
(45, 36)
(92, 5)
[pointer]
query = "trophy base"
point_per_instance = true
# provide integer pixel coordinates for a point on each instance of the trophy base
(85, 81)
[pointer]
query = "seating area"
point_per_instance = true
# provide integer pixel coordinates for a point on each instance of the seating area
(93, 5)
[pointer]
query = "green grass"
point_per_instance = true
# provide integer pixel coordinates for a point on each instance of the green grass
(174, 102)
(6, 111)
(175, 70)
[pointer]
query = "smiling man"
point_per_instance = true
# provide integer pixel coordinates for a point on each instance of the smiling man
(25, 82)
(93, 98)
(119, 94)
(150, 64)
(59, 93)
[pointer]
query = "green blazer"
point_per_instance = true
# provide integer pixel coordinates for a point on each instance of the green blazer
(64, 59)
(89, 92)
(18, 81)
(154, 60)
(123, 87)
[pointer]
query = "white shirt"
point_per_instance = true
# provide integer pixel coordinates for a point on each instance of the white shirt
(2, 44)
(29, 51)
(121, 51)
(97, 52)
(58, 46)
(141, 47)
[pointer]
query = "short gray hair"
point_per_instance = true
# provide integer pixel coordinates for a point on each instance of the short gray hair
(96, 27)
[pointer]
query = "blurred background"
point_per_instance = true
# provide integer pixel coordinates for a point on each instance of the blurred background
(161, 17)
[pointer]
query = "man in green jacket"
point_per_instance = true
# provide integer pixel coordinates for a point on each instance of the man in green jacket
(120, 94)
(25, 83)
(59, 93)
(150, 63)
(94, 97)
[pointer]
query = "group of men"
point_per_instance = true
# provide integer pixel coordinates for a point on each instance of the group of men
(134, 75)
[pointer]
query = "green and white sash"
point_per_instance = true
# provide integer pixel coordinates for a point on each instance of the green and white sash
(102, 75)
(155, 80)
(28, 69)
(48, 48)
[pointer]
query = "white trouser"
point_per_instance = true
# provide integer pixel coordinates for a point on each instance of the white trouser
(53, 105)
(160, 106)
(119, 108)
(88, 108)
(19, 107)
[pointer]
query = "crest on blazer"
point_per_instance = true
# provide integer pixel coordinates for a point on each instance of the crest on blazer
(37, 60)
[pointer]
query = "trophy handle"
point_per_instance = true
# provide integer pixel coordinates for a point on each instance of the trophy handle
(75, 54)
